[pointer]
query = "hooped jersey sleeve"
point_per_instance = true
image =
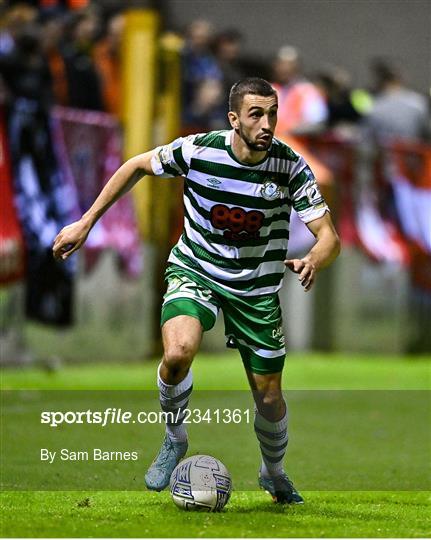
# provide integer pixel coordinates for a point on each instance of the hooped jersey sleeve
(305, 194)
(173, 159)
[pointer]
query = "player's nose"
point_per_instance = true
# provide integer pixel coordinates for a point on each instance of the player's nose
(265, 122)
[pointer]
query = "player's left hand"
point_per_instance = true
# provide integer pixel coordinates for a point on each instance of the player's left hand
(306, 270)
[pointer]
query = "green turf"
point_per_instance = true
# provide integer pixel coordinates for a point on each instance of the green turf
(302, 371)
(249, 513)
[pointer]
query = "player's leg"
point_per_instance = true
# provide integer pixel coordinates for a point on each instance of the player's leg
(181, 339)
(181, 336)
(254, 324)
(270, 422)
(188, 310)
(270, 425)
(267, 394)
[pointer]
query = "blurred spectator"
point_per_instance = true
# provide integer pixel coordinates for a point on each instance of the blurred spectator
(301, 107)
(397, 112)
(38, 183)
(335, 85)
(25, 70)
(202, 80)
(52, 24)
(106, 55)
(227, 49)
(82, 78)
(16, 18)
(400, 196)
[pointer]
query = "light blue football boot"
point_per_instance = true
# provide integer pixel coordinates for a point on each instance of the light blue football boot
(159, 473)
(281, 489)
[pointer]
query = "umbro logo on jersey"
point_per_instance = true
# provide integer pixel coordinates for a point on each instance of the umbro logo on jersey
(213, 182)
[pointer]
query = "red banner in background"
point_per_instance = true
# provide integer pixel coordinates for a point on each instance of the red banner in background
(339, 158)
(410, 179)
(12, 248)
(413, 161)
(386, 210)
(93, 150)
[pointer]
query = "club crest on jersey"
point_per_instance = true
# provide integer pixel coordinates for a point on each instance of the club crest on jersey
(270, 190)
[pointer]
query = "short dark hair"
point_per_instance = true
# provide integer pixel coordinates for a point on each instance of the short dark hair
(250, 85)
(385, 71)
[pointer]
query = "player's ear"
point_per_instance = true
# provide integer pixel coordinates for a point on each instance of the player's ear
(233, 119)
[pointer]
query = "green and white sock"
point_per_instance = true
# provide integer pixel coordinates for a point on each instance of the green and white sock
(273, 439)
(174, 398)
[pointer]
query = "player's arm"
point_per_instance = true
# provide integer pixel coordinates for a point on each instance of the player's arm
(323, 253)
(72, 237)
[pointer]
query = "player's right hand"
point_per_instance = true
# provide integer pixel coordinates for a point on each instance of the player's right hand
(306, 270)
(70, 239)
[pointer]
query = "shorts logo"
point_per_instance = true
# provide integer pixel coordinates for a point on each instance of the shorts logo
(187, 288)
(173, 284)
(277, 334)
(270, 190)
(239, 224)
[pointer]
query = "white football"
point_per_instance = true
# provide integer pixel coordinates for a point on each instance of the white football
(201, 483)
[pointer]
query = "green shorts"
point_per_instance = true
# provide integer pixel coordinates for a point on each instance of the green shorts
(253, 324)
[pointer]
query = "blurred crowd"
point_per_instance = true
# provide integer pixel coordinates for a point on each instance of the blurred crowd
(53, 161)
(71, 57)
(57, 56)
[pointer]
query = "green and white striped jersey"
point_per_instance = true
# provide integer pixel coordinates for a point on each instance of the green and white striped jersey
(236, 215)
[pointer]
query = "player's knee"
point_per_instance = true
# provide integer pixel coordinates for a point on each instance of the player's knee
(269, 399)
(270, 402)
(177, 361)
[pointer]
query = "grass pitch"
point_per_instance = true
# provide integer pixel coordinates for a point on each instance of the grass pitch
(249, 513)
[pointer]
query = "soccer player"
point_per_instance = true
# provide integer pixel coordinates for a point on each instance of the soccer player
(240, 186)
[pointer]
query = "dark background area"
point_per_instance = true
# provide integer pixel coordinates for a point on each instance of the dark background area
(342, 32)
